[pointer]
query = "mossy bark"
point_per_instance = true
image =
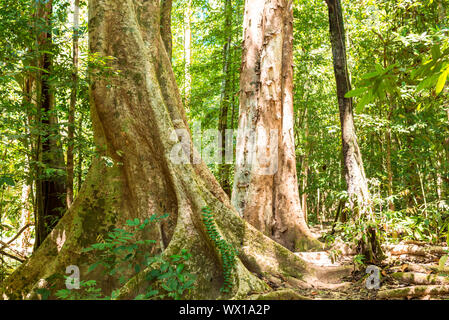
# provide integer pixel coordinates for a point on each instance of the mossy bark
(135, 109)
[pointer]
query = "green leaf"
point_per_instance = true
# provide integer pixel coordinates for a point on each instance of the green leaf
(355, 92)
(93, 266)
(442, 80)
(442, 262)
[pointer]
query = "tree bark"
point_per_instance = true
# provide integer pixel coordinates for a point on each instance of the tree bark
(50, 187)
(357, 186)
(72, 107)
(388, 160)
(187, 54)
(265, 188)
(134, 114)
(225, 101)
(166, 34)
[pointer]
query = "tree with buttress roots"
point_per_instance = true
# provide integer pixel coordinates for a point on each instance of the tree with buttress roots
(265, 189)
(134, 112)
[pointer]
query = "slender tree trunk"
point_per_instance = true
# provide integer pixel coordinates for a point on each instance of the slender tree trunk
(166, 34)
(225, 101)
(388, 160)
(72, 107)
(187, 54)
(50, 186)
(265, 185)
(305, 166)
(357, 186)
(27, 189)
(80, 153)
(446, 142)
(144, 178)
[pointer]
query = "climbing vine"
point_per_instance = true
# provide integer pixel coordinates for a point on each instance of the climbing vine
(227, 252)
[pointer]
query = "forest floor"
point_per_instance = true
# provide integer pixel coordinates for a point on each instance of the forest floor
(412, 270)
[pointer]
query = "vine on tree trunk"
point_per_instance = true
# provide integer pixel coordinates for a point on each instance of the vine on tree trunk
(227, 252)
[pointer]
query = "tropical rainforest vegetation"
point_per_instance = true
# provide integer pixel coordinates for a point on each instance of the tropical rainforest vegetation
(97, 96)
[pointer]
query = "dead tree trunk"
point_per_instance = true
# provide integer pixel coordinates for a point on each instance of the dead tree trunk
(265, 185)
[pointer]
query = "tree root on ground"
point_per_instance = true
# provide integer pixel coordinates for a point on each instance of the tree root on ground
(420, 278)
(283, 294)
(414, 292)
(414, 249)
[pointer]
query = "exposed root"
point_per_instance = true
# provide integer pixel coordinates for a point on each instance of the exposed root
(414, 292)
(284, 294)
(421, 268)
(414, 249)
(420, 278)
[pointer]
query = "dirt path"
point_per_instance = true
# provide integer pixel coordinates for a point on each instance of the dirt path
(412, 270)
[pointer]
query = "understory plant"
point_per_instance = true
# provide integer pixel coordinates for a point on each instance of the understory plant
(122, 252)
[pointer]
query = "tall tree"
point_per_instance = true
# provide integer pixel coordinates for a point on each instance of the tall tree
(266, 194)
(50, 182)
(134, 175)
(357, 187)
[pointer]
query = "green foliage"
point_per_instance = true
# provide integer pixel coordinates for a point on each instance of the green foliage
(121, 253)
(227, 252)
(87, 291)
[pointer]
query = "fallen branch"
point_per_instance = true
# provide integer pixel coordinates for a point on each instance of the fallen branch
(12, 256)
(17, 253)
(18, 234)
(414, 291)
(420, 278)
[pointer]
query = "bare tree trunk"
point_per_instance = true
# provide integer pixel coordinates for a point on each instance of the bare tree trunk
(72, 107)
(354, 172)
(80, 153)
(225, 100)
(50, 187)
(166, 34)
(265, 185)
(388, 160)
(144, 180)
(446, 142)
(305, 167)
(187, 54)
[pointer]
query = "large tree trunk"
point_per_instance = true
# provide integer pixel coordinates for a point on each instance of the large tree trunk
(134, 114)
(357, 186)
(50, 186)
(265, 185)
